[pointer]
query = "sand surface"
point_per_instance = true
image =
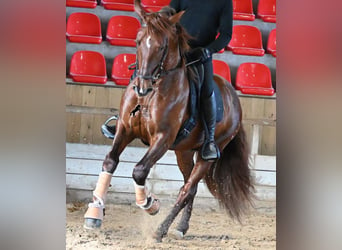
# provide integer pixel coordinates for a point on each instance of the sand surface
(126, 226)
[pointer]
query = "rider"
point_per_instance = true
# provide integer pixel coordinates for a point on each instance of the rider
(203, 20)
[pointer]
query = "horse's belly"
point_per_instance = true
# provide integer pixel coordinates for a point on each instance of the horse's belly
(193, 141)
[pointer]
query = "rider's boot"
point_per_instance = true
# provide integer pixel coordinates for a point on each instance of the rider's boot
(210, 151)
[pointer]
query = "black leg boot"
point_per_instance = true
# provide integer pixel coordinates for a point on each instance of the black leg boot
(210, 151)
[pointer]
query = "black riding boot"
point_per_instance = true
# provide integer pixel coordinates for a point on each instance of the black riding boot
(210, 151)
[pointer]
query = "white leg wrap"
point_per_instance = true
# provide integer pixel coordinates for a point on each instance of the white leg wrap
(146, 200)
(95, 208)
(102, 186)
(140, 195)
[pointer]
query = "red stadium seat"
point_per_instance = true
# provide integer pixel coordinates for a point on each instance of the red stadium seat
(254, 79)
(267, 10)
(120, 72)
(122, 30)
(88, 66)
(243, 10)
(84, 28)
(222, 68)
(246, 40)
(125, 5)
(81, 3)
(154, 5)
(271, 43)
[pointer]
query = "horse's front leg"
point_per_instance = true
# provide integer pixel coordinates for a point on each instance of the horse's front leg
(95, 212)
(145, 199)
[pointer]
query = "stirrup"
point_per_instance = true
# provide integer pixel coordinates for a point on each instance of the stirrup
(109, 130)
(210, 151)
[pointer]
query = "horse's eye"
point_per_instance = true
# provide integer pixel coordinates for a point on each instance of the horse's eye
(138, 42)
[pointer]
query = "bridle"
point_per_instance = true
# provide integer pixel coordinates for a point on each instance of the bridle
(159, 71)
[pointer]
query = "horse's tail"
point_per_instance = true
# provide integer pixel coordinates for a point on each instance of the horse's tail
(230, 180)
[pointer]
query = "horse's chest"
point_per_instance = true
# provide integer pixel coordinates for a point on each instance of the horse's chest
(145, 115)
(140, 118)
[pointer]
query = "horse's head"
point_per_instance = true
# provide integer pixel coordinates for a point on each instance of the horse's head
(159, 47)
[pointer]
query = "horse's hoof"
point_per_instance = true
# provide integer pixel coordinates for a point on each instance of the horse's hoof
(154, 209)
(158, 240)
(157, 237)
(90, 223)
(177, 235)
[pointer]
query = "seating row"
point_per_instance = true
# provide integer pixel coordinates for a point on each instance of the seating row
(90, 67)
(122, 30)
(242, 9)
(86, 28)
(125, 5)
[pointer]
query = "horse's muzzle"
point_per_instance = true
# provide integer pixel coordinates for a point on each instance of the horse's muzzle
(142, 91)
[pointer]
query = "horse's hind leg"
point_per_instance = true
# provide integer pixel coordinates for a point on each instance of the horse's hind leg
(94, 215)
(183, 224)
(185, 163)
(186, 194)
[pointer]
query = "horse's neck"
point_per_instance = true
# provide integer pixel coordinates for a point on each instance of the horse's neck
(177, 84)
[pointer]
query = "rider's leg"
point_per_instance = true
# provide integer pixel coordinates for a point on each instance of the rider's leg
(210, 150)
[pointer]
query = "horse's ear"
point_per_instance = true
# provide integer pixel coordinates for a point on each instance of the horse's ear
(139, 9)
(176, 17)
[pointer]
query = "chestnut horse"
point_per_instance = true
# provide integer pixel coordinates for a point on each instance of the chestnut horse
(153, 108)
